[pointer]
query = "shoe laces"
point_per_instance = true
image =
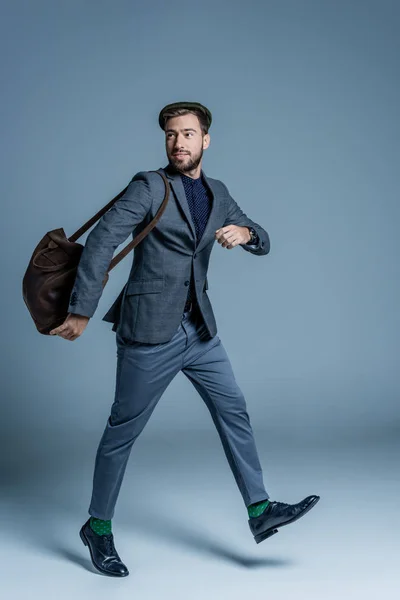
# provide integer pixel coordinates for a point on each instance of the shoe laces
(108, 543)
(281, 505)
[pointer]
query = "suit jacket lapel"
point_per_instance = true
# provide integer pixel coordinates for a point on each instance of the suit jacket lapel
(177, 186)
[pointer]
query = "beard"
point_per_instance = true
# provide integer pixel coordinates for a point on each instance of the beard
(187, 164)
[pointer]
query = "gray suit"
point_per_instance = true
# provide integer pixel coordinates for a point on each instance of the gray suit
(156, 338)
(149, 307)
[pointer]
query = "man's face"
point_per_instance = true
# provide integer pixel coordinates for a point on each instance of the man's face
(183, 134)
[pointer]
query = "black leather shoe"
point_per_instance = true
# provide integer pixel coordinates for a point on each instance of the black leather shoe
(102, 552)
(278, 514)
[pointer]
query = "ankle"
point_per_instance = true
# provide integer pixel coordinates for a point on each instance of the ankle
(256, 509)
(100, 526)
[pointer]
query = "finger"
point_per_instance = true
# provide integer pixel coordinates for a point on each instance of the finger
(232, 244)
(60, 329)
(229, 237)
(225, 238)
(65, 332)
(229, 232)
(222, 230)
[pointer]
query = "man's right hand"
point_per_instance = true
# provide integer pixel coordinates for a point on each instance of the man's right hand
(72, 328)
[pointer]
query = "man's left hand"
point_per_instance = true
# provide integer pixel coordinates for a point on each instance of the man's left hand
(232, 235)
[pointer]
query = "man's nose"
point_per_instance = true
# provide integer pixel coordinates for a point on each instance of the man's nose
(178, 142)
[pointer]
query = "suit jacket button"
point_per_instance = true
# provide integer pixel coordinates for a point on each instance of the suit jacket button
(187, 282)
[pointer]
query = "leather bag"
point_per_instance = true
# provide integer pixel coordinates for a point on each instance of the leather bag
(50, 276)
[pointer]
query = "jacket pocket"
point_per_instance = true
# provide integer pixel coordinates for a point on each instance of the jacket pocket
(145, 286)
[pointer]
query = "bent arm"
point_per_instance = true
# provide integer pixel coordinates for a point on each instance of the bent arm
(235, 216)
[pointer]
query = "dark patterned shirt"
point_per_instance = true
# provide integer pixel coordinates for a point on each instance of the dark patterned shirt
(199, 200)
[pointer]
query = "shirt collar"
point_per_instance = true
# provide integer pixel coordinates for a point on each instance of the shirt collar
(191, 180)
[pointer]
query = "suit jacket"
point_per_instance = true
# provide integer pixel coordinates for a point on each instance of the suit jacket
(149, 307)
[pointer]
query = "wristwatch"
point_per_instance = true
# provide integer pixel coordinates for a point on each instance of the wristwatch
(254, 236)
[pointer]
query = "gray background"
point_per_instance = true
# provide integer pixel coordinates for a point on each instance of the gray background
(304, 96)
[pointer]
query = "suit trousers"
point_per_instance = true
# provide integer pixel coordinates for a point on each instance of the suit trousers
(143, 373)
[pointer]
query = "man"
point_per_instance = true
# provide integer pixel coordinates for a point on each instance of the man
(164, 323)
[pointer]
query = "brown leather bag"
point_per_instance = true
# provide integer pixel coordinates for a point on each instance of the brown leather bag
(50, 276)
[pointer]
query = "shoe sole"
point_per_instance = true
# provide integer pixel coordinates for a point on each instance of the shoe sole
(263, 536)
(268, 532)
(86, 543)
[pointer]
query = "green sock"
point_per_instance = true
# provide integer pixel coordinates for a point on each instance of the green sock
(256, 509)
(99, 526)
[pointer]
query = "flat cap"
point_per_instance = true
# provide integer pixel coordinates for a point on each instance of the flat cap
(188, 105)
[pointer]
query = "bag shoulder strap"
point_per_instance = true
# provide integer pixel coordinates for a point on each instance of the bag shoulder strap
(139, 237)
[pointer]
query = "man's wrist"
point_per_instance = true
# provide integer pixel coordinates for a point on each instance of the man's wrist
(253, 236)
(79, 316)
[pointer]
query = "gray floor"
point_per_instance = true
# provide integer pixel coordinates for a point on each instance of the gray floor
(181, 527)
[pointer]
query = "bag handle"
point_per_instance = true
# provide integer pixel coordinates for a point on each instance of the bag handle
(139, 237)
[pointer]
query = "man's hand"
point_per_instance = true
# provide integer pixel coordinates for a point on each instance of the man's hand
(232, 235)
(72, 327)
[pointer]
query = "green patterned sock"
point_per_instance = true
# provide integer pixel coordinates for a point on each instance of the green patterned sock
(99, 526)
(256, 509)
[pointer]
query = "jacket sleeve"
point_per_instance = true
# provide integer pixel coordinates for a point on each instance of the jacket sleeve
(112, 229)
(235, 216)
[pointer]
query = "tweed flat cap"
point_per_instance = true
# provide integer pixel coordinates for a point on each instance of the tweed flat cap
(188, 105)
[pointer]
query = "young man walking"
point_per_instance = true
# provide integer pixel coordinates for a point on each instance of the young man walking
(165, 324)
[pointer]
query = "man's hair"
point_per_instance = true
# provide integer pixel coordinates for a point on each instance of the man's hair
(177, 112)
